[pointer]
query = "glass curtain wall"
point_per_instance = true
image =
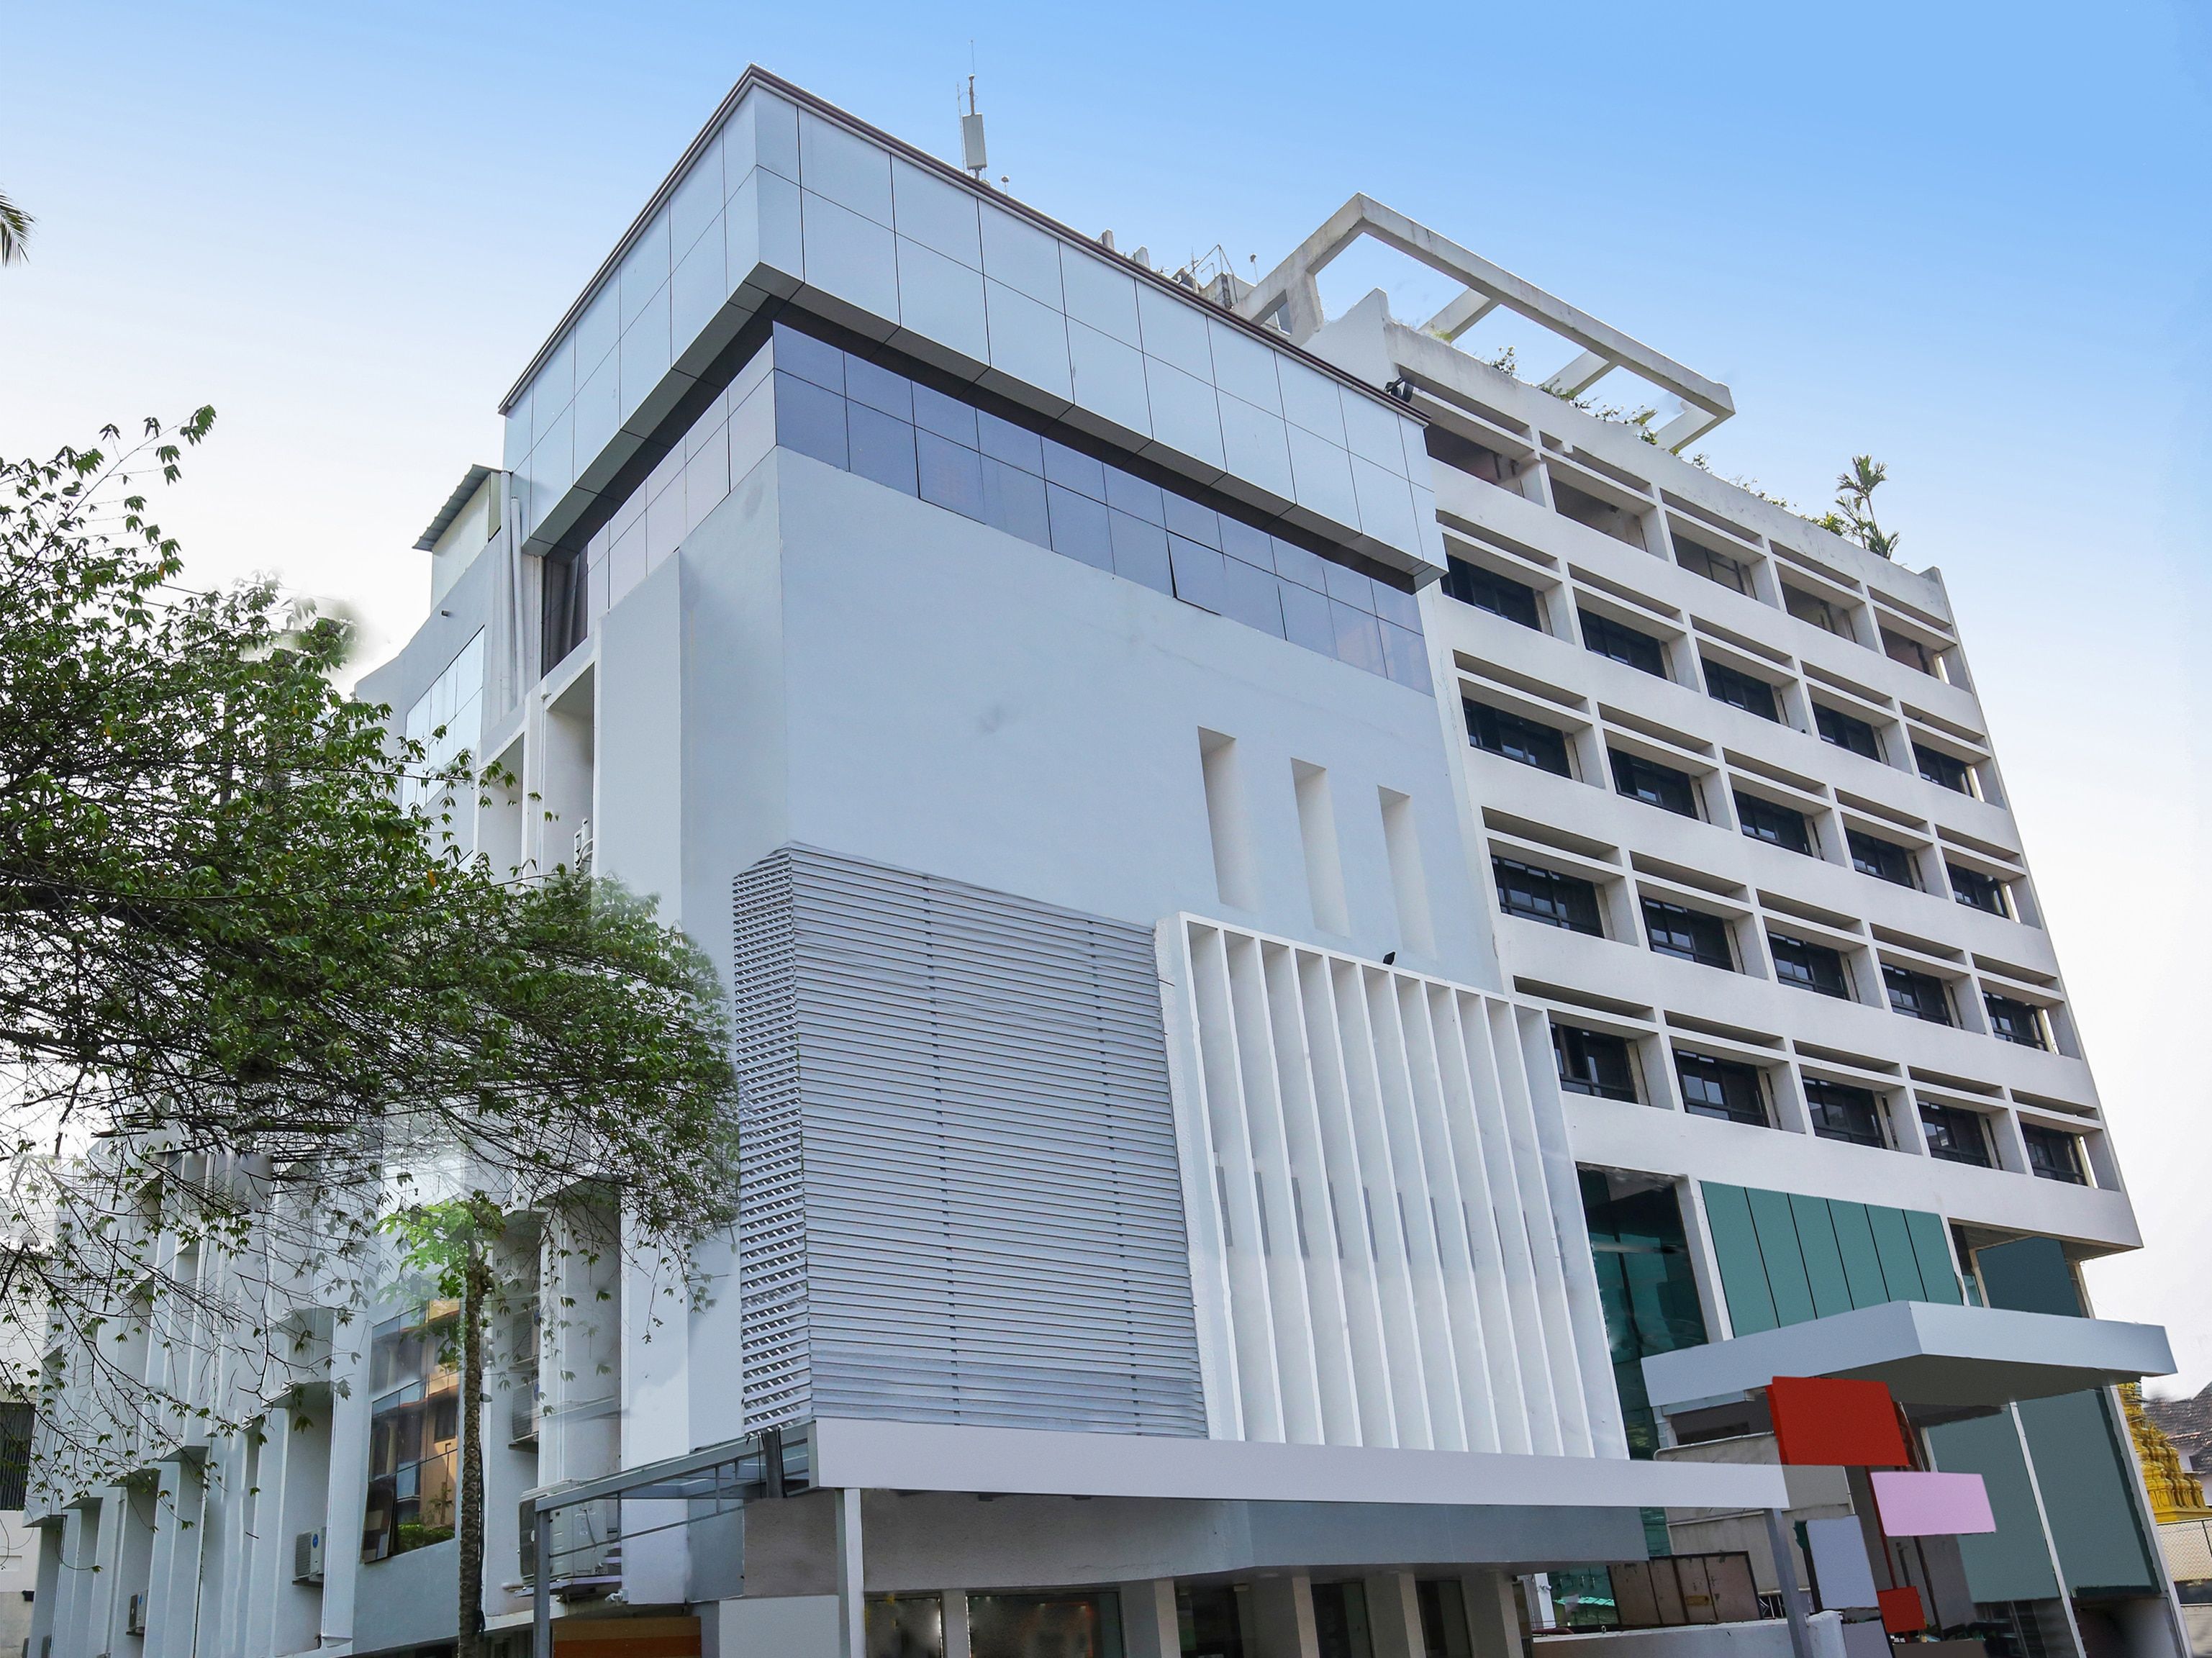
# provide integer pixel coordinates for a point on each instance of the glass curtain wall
(855, 414)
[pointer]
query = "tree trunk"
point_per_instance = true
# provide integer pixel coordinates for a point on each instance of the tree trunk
(475, 1282)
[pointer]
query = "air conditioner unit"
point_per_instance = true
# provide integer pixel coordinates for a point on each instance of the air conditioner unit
(307, 1558)
(134, 1619)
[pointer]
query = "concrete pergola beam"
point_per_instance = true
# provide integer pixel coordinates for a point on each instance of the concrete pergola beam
(1293, 288)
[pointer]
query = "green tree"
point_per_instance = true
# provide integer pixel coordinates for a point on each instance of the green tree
(1853, 515)
(245, 996)
(14, 231)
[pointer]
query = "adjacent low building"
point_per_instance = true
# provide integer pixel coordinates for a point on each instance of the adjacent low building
(1336, 960)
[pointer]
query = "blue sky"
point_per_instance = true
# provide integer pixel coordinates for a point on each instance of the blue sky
(1973, 240)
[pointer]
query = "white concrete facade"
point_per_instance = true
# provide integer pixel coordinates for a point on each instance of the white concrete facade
(1201, 915)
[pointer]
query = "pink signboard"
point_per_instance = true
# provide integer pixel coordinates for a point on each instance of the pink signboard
(1931, 1504)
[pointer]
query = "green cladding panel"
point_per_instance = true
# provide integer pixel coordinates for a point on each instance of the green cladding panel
(1785, 1258)
(2078, 1461)
(2011, 1563)
(2029, 1275)
(1743, 1273)
(1932, 1250)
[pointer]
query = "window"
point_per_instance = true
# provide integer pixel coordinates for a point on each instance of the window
(1035, 482)
(1547, 896)
(17, 1420)
(1917, 995)
(1721, 1088)
(1809, 967)
(1654, 784)
(1740, 690)
(1777, 826)
(1811, 607)
(1476, 459)
(1955, 1135)
(1715, 567)
(1977, 890)
(2012, 1021)
(1839, 1113)
(1623, 644)
(1951, 772)
(1600, 515)
(1591, 1062)
(1689, 935)
(1846, 731)
(2054, 1154)
(1910, 652)
(1496, 731)
(1487, 589)
(414, 1431)
(1883, 859)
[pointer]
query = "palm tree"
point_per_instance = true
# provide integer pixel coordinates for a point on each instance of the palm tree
(15, 232)
(1854, 518)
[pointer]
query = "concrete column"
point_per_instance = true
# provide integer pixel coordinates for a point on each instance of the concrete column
(1282, 1610)
(954, 1602)
(345, 1501)
(107, 1616)
(1149, 1626)
(1393, 1616)
(1785, 1577)
(852, 1584)
(1493, 1621)
(45, 1600)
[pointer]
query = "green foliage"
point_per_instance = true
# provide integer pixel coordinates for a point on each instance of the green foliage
(15, 232)
(446, 1241)
(240, 984)
(1853, 518)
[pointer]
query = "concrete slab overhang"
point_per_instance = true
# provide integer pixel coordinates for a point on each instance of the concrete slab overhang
(1929, 1353)
(927, 1457)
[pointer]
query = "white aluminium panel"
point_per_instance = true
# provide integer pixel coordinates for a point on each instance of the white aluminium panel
(1388, 1247)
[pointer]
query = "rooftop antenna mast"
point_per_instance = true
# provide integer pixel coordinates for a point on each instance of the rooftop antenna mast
(972, 155)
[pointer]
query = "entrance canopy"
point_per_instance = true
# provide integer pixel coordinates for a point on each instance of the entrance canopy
(1929, 1354)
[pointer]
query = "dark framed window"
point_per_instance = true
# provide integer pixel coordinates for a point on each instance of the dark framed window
(1547, 896)
(1778, 826)
(1917, 995)
(1689, 935)
(1811, 607)
(1740, 690)
(1715, 567)
(1846, 731)
(1721, 1088)
(1654, 784)
(1623, 643)
(1955, 1135)
(1529, 741)
(2054, 1154)
(1500, 595)
(1977, 890)
(1808, 966)
(16, 1421)
(1884, 860)
(1951, 772)
(1592, 1062)
(1910, 652)
(2013, 1021)
(1842, 1113)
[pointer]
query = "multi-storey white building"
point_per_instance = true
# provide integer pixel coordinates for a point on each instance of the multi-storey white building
(1336, 960)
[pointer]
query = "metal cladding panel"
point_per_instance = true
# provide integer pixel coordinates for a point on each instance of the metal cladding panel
(986, 1216)
(1388, 1238)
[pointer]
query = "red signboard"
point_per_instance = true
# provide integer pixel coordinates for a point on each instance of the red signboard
(1901, 1613)
(1829, 1423)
